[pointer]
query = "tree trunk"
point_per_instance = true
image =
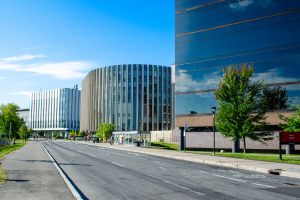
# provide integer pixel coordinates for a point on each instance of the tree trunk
(244, 139)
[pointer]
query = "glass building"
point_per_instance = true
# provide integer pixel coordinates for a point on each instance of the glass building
(123, 94)
(55, 110)
(212, 34)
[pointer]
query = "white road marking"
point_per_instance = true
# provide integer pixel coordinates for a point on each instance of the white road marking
(118, 164)
(237, 179)
(79, 151)
(182, 187)
(70, 186)
(162, 168)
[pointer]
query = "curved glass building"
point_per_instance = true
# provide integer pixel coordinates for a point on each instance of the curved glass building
(123, 94)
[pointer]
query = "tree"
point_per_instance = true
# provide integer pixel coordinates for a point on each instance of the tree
(75, 133)
(8, 114)
(41, 133)
(107, 128)
(242, 107)
(30, 131)
(72, 133)
(292, 123)
(55, 134)
(276, 98)
(82, 133)
(23, 131)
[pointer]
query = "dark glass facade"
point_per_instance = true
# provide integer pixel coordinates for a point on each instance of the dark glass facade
(212, 34)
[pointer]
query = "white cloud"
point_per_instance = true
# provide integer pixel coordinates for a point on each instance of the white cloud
(243, 4)
(64, 70)
(24, 57)
(24, 93)
(2, 78)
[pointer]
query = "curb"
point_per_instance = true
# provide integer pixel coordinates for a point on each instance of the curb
(224, 164)
(70, 186)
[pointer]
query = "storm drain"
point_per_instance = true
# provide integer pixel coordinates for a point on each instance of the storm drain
(275, 171)
(293, 184)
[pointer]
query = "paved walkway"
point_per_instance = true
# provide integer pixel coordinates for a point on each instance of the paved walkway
(32, 175)
(291, 170)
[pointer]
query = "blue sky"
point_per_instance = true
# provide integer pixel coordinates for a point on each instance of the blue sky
(46, 44)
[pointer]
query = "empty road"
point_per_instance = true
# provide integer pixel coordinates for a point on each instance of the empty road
(104, 173)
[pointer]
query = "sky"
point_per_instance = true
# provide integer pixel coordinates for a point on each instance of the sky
(46, 44)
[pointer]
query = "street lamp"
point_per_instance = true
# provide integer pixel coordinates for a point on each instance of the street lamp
(140, 132)
(213, 110)
(9, 129)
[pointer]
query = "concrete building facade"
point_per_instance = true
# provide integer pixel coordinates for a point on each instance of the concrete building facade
(124, 94)
(56, 110)
(24, 113)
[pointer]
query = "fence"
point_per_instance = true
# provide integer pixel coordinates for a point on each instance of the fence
(3, 142)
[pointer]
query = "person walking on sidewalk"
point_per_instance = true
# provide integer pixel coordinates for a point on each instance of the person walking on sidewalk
(112, 140)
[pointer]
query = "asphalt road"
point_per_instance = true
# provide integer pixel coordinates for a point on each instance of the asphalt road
(104, 173)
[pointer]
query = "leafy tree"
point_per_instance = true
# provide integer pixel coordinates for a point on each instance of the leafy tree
(41, 133)
(55, 134)
(23, 132)
(30, 131)
(276, 98)
(76, 134)
(82, 133)
(107, 128)
(8, 114)
(72, 133)
(292, 123)
(242, 107)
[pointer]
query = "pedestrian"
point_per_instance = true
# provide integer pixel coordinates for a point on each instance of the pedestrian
(112, 140)
(122, 140)
(94, 140)
(85, 139)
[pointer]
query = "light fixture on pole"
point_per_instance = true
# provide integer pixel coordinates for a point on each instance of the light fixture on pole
(137, 143)
(9, 129)
(213, 110)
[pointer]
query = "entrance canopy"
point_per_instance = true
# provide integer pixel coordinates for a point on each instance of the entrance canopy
(130, 138)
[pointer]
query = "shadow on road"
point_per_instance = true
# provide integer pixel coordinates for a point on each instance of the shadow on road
(49, 161)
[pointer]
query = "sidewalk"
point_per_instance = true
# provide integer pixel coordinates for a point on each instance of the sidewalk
(31, 174)
(291, 170)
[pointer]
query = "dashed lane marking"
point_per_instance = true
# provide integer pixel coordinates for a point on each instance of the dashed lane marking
(237, 179)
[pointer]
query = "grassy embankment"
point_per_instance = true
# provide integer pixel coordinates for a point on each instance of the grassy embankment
(4, 150)
(253, 156)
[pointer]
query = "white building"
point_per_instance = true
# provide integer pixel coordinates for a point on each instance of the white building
(24, 113)
(55, 110)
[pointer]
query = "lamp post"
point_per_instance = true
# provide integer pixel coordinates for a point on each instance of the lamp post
(213, 109)
(9, 129)
(111, 131)
(140, 132)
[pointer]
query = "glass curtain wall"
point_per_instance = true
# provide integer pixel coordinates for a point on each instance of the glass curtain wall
(213, 34)
(130, 93)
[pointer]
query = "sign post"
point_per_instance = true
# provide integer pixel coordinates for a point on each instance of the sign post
(184, 136)
(288, 138)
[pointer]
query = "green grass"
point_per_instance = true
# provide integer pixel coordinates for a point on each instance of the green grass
(261, 156)
(4, 150)
(286, 159)
(2, 176)
(163, 145)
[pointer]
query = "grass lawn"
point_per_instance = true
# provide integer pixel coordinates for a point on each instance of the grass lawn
(163, 145)
(4, 150)
(261, 156)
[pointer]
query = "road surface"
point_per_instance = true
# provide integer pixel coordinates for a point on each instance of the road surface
(105, 173)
